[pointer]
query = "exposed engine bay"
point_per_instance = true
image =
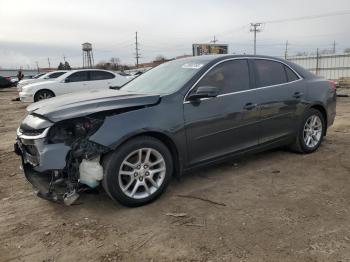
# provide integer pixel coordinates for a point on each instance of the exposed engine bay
(60, 161)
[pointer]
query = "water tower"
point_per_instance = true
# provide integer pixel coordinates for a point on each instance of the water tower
(88, 57)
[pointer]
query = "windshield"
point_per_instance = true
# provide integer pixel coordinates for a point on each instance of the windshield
(166, 78)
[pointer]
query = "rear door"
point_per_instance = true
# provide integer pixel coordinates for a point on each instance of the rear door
(226, 123)
(100, 79)
(278, 99)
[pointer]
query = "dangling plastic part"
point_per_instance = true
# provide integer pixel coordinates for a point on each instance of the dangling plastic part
(91, 172)
(70, 198)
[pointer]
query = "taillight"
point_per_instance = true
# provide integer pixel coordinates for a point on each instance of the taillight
(333, 85)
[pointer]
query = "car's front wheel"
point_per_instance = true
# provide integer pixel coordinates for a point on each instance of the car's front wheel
(311, 132)
(137, 172)
(43, 94)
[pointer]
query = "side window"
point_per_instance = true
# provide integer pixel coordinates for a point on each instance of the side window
(55, 75)
(78, 76)
(230, 76)
(269, 73)
(100, 75)
(291, 76)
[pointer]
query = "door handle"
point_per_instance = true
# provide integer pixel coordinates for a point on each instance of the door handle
(297, 95)
(249, 106)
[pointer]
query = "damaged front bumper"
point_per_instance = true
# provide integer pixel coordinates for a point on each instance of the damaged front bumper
(54, 169)
(47, 183)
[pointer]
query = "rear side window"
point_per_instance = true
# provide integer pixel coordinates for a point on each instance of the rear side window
(269, 73)
(291, 76)
(100, 75)
(55, 75)
(78, 76)
(230, 76)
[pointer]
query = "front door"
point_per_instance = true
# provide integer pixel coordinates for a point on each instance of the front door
(227, 123)
(77, 81)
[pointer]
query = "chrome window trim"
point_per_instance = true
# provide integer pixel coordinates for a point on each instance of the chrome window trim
(243, 91)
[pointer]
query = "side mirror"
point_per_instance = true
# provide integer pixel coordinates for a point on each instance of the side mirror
(204, 92)
(66, 80)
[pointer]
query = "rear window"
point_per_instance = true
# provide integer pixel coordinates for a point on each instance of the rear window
(270, 73)
(100, 75)
(291, 76)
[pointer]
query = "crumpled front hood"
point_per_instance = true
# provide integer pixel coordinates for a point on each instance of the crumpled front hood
(85, 103)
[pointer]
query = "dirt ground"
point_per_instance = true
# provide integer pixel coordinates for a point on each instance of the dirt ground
(274, 206)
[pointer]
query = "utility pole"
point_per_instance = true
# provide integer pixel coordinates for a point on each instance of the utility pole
(286, 51)
(334, 44)
(37, 65)
(48, 61)
(64, 58)
(255, 29)
(214, 40)
(137, 54)
(317, 63)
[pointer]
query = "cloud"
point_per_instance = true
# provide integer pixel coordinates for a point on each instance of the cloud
(34, 30)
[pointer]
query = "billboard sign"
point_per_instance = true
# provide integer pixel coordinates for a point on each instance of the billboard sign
(208, 49)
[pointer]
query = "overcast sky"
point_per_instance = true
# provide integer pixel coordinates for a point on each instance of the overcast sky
(33, 30)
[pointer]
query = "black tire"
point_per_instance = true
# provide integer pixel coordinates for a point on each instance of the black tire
(300, 145)
(113, 162)
(43, 94)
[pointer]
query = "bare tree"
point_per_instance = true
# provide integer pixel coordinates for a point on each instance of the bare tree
(160, 58)
(115, 61)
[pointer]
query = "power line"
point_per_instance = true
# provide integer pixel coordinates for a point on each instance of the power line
(255, 29)
(337, 13)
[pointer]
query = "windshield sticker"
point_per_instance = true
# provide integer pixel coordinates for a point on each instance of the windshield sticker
(192, 66)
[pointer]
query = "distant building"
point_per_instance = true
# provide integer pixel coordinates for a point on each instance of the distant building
(208, 49)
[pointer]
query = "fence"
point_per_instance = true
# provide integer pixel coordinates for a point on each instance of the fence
(330, 66)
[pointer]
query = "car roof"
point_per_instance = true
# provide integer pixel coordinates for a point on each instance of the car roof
(226, 56)
(212, 59)
(89, 69)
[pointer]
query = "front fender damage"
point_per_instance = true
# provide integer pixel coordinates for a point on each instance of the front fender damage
(58, 172)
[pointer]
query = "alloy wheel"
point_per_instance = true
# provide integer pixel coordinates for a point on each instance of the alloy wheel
(44, 95)
(142, 173)
(312, 131)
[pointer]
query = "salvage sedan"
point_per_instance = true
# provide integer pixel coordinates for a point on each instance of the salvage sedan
(180, 115)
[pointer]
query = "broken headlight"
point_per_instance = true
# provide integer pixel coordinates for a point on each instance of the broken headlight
(70, 130)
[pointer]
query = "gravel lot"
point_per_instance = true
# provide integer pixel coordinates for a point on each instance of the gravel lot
(273, 206)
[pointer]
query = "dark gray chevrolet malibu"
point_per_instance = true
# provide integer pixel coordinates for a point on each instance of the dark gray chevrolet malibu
(180, 115)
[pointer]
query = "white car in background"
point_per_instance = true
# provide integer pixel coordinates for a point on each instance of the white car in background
(72, 81)
(40, 78)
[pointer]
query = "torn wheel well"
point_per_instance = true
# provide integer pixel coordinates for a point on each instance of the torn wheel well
(167, 141)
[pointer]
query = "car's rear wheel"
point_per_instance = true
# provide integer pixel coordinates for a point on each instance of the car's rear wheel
(43, 94)
(137, 172)
(311, 132)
